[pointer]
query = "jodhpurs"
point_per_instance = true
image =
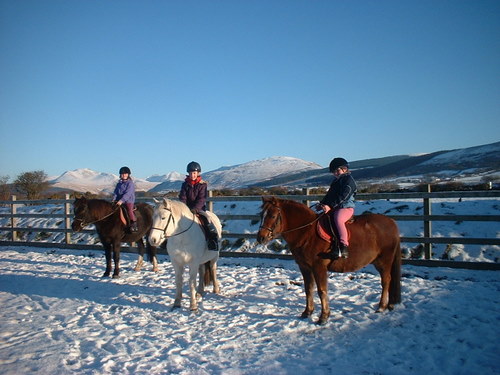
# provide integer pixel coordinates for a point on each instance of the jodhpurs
(130, 210)
(340, 216)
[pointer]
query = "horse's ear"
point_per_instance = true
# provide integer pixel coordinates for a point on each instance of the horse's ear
(268, 198)
(165, 202)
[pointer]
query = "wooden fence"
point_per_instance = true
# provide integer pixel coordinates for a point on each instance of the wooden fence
(427, 218)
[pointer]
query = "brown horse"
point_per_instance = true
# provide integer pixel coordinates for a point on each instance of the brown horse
(111, 230)
(373, 239)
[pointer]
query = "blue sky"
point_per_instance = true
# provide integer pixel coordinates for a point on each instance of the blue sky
(156, 84)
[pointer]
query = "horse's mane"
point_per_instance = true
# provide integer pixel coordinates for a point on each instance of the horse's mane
(178, 208)
(287, 202)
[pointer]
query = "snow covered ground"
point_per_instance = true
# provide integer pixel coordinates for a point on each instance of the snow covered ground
(58, 316)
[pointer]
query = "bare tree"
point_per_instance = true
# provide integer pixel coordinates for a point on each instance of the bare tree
(4, 188)
(32, 184)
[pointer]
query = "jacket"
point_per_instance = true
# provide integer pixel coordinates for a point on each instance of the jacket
(125, 191)
(341, 192)
(194, 195)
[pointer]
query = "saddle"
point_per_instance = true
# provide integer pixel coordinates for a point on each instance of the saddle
(125, 219)
(327, 229)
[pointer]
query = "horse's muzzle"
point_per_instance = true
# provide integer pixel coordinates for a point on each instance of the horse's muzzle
(76, 225)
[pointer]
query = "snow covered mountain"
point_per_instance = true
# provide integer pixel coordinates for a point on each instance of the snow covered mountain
(87, 180)
(462, 164)
(246, 174)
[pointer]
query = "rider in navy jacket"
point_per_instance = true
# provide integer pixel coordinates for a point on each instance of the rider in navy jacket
(194, 194)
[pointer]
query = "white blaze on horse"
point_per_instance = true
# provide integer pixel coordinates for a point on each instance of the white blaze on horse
(186, 246)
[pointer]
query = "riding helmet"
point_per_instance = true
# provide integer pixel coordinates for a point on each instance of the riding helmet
(337, 163)
(193, 167)
(125, 170)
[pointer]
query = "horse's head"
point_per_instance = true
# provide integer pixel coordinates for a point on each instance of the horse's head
(81, 212)
(162, 220)
(271, 220)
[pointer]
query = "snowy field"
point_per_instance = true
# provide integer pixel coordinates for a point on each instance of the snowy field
(58, 316)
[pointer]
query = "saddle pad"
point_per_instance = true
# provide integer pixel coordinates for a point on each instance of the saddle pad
(325, 228)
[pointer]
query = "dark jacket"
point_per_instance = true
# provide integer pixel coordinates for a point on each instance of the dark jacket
(194, 195)
(341, 193)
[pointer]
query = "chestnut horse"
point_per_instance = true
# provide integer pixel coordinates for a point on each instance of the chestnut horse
(373, 239)
(111, 230)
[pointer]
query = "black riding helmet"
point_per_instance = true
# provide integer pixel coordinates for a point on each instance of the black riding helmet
(337, 163)
(125, 170)
(193, 167)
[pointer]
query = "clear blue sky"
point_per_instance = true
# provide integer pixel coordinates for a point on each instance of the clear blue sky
(155, 84)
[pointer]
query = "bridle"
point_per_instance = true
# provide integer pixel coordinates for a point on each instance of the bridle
(278, 221)
(171, 218)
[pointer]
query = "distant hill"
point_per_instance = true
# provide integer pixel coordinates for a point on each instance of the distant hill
(466, 163)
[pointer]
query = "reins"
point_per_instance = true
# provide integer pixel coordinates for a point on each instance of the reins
(271, 230)
(171, 218)
(84, 224)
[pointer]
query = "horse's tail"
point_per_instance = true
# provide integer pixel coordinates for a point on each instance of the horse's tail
(209, 276)
(395, 285)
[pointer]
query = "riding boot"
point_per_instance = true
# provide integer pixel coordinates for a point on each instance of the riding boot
(133, 226)
(344, 250)
(213, 238)
(333, 254)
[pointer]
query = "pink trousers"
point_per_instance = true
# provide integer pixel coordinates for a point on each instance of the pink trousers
(340, 216)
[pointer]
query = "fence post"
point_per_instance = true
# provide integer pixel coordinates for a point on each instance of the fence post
(13, 220)
(210, 206)
(427, 225)
(67, 219)
(306, 191)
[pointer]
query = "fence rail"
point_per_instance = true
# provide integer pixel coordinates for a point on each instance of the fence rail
(426, 218)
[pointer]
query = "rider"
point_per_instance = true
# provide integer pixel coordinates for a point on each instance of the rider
(339, 201)
(125, 194)
(194, 194)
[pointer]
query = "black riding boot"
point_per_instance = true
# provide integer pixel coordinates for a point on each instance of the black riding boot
(344, 250)
(133, 226)
(213, 238)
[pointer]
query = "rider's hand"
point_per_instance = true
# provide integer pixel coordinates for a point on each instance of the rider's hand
(326, 208)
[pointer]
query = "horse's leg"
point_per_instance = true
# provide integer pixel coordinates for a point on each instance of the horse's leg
(385, 279)
(215, 281)
(321, 277)
(140, 258)
(152, 256)
(107, 253)
(116, 258)
(193, 272)
(178, 270)
(201, 281)
(309, 289)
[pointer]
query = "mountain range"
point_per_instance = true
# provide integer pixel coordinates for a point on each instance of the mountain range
(467, 163)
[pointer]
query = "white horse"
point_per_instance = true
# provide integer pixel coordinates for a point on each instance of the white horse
(186, 245)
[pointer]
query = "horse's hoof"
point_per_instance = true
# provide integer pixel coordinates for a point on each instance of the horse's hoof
(116, 276)
(322, 322)
(175, 307)
(106, 274)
